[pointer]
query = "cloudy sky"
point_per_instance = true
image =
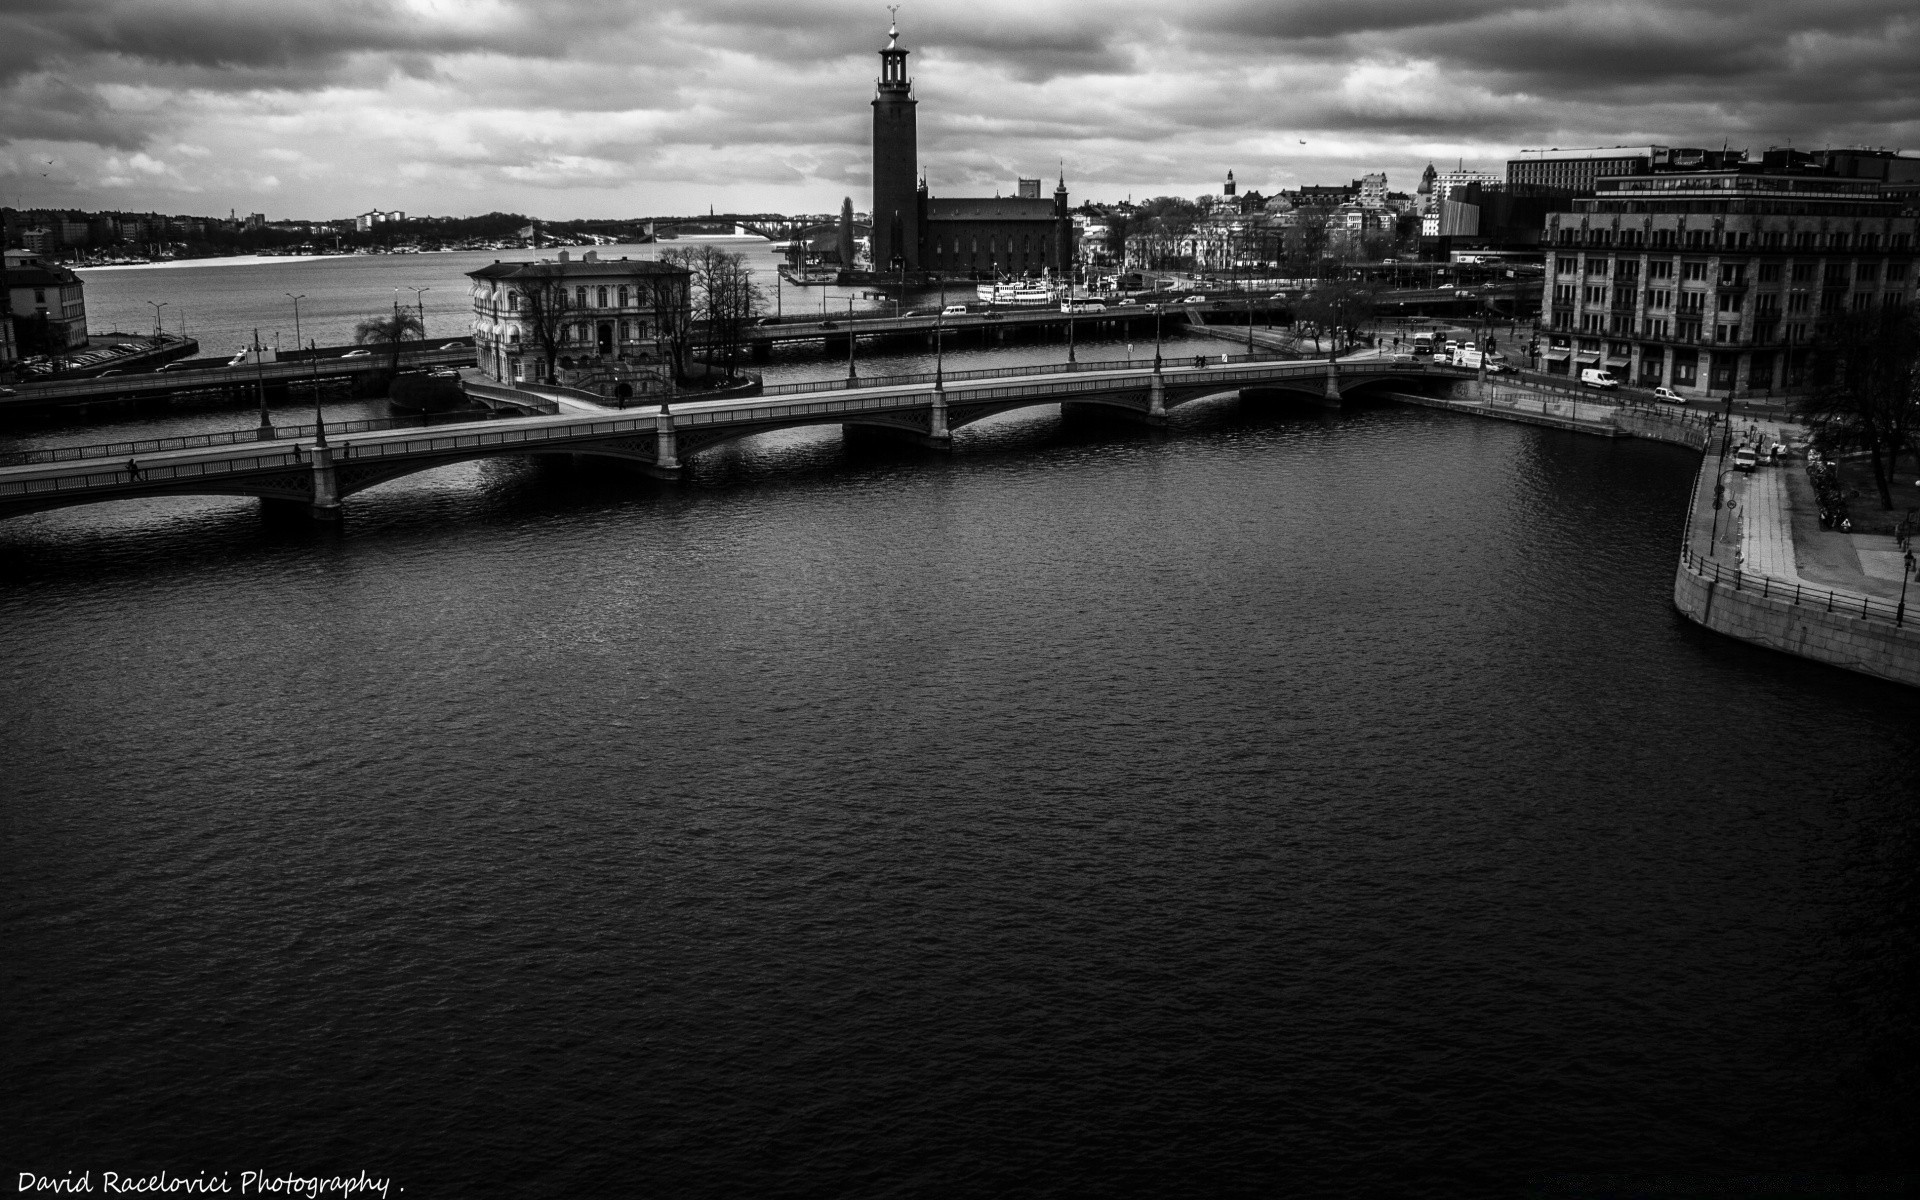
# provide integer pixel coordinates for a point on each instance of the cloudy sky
(582, 108)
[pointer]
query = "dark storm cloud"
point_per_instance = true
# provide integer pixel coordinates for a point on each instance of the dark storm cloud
(610, 94)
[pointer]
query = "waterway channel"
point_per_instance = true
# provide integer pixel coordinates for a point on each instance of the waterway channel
(1328, 805)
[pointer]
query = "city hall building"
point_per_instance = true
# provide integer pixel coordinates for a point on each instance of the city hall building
(1704, 273)
(985, 236)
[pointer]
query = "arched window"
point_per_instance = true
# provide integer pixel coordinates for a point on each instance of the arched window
(580, 297)
(623, 297)
(602, 298)
(626, 329)
(513, 336)
(513, 301)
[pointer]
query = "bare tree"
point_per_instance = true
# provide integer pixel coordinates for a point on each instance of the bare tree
(542, 303)
(1866, 370)
(724, 297)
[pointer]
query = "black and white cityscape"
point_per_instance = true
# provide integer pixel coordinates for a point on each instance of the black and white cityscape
(840, 599)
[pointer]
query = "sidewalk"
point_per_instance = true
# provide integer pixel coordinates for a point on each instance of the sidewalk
(1771, 527)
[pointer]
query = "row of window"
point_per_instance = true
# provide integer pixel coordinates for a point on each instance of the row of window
(1735, 274)
(592, 297)
(583, 331)
(1691, 318)
(1732, 239)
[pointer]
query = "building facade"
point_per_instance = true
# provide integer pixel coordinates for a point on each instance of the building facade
(613, 317)
(1716, 279)
(47, 305)
(1578, 171)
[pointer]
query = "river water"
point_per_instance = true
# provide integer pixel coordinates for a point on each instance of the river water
(1288, 804)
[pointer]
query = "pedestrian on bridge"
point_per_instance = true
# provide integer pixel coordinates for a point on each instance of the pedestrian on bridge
(133, 471)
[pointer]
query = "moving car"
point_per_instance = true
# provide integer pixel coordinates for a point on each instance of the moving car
(358, 354)
(1599, 378)
(454, 346)
(954, 310)
(1744, 459)
(1194, 300)
(1667, 396)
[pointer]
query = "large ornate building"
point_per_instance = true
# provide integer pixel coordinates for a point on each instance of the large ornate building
(980, 236)
(606, 316)
(1708, 271)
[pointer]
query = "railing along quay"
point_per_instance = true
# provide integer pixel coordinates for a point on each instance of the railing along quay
(1832, 600)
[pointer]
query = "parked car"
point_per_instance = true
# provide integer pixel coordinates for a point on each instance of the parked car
(1667, 396)
(1599, 378)
(1744, 459)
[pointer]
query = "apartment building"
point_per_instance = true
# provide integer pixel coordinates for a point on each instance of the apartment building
(610, 312)
(1705, 280)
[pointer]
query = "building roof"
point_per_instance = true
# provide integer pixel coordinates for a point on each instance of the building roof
(39, 275)
(581, 267)
(988, 208)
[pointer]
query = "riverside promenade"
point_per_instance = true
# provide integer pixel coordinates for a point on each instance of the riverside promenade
(1767, 573)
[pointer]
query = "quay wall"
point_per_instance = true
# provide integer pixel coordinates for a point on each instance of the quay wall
(1808, 629)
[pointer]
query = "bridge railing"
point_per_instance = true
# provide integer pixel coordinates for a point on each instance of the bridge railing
(927, 377)
(232, 437)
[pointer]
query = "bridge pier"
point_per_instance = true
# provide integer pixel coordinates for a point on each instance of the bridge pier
(1331, 398)
(326, 486)
(666, 457)
(939, 437)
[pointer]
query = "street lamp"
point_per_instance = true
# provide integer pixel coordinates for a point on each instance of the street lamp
(1906, 573)
(157, 306)
(853, 375)
(1157, 309)
(939, 326)
(420, 307)
(319, 424)
(260, 386)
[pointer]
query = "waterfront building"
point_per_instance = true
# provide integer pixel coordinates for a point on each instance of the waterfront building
(614, 319)
(1447, 182)
(1576, 171)
(913, 230)
(46, 303)
(1714, 276)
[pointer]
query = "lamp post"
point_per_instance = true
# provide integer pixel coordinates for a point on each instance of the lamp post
(1906, 573)
(420, 307)
(1157, 309)
(939, 325)
(260, 387)
(157, 306)
(319, 424)
(1070, 314)
(853, 373)
(1720, 471)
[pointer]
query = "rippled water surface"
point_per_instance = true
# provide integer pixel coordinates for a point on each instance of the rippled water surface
(1284, 806)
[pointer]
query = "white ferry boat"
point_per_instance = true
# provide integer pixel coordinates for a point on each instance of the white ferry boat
(809, 276)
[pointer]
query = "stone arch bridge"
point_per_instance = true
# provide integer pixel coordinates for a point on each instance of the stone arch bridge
(297, 469)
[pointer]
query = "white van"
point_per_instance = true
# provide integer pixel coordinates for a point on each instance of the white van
(954, 310)
(1598, 377)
